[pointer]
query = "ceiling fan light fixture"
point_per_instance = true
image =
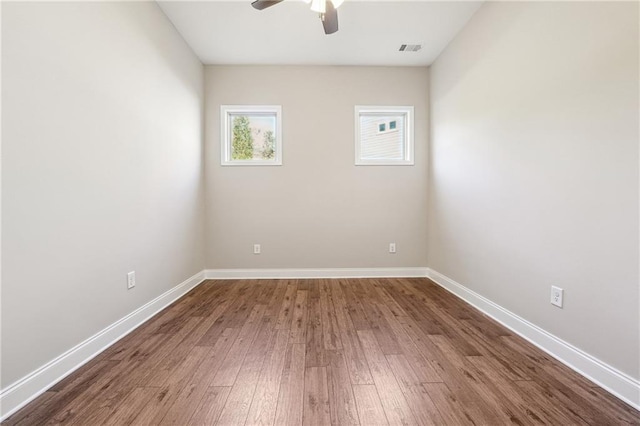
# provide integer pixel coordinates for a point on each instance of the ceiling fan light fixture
(327, 9)
(319, 6)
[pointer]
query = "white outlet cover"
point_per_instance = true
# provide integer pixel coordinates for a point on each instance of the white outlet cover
(392, 247)
(557, 294)
(131, 279)
(256, 249)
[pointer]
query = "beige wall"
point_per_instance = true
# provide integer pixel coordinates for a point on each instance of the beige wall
(101, 170)
(534, 168)
(318, 209)
(534, 173)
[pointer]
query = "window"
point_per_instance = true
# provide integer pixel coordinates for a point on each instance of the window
(251, 135)
(384, 135)
(382, 127)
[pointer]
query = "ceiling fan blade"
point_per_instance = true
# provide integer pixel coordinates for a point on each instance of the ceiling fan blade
(330, 19)
(263, 4)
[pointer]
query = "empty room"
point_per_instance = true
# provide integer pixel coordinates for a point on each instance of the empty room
(323, 212)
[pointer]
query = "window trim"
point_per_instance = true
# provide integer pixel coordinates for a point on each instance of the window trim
(408, 112)
(225, 129)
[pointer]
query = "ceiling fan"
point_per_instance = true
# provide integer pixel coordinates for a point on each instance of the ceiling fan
(328, 10)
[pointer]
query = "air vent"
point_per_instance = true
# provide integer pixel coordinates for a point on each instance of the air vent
(410, 47)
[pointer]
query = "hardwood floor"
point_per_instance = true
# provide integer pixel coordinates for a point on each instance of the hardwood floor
(320, 352)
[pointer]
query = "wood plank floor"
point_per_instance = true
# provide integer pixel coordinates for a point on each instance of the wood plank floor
(321, 352)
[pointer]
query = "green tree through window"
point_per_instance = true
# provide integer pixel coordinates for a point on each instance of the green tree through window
(269, 150)
(242, 142)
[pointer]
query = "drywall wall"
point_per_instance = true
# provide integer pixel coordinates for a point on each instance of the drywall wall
(318, 209)
(534, 168)
(101, 170)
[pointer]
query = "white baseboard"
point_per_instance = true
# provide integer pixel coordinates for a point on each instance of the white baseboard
(20, 393)
(616, 382)
(227, 274)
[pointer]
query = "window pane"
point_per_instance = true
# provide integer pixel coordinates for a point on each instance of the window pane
(392, 125)
(376, 144)
(253, 136)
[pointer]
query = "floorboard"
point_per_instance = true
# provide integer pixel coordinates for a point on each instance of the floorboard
(323, 352)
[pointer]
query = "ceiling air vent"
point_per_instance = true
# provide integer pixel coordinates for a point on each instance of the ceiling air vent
(410, 47)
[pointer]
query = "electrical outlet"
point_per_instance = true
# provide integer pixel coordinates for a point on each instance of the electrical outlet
(131, 280)
(556, 296)
(256, 249)
(392, 247)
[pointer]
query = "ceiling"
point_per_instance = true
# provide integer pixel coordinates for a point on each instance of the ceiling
(371, 32)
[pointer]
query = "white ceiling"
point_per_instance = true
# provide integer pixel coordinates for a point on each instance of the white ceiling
(232, 32)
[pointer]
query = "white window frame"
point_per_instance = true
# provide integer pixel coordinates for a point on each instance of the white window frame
(225, 133)
(407, 111)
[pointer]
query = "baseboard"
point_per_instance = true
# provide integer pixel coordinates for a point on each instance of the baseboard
(222, 274)
(616, 382)
(28, 388)
(20, 393)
